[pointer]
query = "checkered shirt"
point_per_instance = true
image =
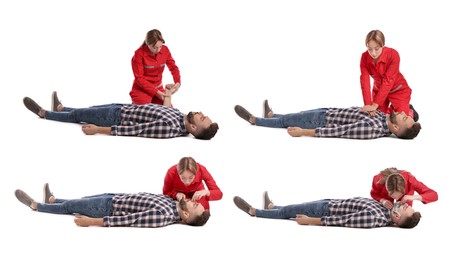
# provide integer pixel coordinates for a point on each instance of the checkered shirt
(353, 124)
(150, 120)
(357, 212)
(142, 210)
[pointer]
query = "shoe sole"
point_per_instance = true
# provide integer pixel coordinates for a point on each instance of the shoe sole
(44, 193)
(31, 105)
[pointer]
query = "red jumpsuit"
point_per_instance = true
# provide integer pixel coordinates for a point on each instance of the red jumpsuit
(148, 74)
(378, 191)
(173, 185)
(390, 89)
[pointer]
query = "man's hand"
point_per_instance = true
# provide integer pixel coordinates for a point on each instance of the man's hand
(84, 221)
(91, 129)
(295, 131)
(305, 220)
(173, 87)
(298, 131)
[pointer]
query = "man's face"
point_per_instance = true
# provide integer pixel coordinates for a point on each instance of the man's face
(402, 120)
(402, 211)
(198, 119)
(192, 207)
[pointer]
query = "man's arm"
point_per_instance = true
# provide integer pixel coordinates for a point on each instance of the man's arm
(298, 131)
(305, 220)
(168, 95)
(91, 129)
(84, 221)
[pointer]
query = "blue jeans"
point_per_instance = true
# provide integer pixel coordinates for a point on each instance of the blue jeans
(103, 115)
(309, 119)
(96, 206)
(314, 209)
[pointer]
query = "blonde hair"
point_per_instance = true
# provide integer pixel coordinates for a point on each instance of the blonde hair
(187, 163)
(377, 36)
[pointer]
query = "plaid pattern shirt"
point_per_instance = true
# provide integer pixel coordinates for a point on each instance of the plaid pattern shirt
(353, 124)
(150, 120)
(357, 212)
(142, 210)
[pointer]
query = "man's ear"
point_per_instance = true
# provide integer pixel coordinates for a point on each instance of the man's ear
(186, 215)
(397, 216)
(396, 128)
(193, 127)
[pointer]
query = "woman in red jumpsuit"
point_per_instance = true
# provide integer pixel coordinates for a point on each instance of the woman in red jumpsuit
(391, 185)
(186, 180)
(148, 65)
(390, 92)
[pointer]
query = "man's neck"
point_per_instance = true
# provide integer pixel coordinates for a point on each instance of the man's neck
(389, 123)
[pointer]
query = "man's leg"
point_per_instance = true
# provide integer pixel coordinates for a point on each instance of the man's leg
(308, 119)
(314, 209)
(96, 206)
(103, 115)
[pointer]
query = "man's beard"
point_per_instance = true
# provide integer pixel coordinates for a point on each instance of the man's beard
(182, 205)
(190, 117)
(392, 118)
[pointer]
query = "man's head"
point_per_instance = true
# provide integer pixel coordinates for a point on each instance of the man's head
(403, 126)
(200, 126)
(192, 213)
(404, 216)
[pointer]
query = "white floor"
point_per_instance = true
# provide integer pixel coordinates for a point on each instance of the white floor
(299, 56)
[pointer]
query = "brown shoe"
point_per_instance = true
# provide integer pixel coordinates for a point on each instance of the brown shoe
(266, 200)
(46, 193)
(242, 204)
(266, 109)
(55, 102)
(243, 113)
(24, 198)
(32, 106)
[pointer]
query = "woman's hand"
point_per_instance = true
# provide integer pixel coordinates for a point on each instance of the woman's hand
(199, 194)
(370, 109)
(180, 196)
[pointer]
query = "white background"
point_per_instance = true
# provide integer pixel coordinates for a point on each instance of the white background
(297, 54)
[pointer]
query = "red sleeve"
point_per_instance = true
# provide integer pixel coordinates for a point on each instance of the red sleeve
(215, 192)
(390, 75)
(365, 80)
(138, 70)
(170, 62)
(168, 187)
(428, 195)
(376, 189)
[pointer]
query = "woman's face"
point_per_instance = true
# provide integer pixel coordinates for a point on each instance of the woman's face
(187, 177)
(374, 49)
(155, 48)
